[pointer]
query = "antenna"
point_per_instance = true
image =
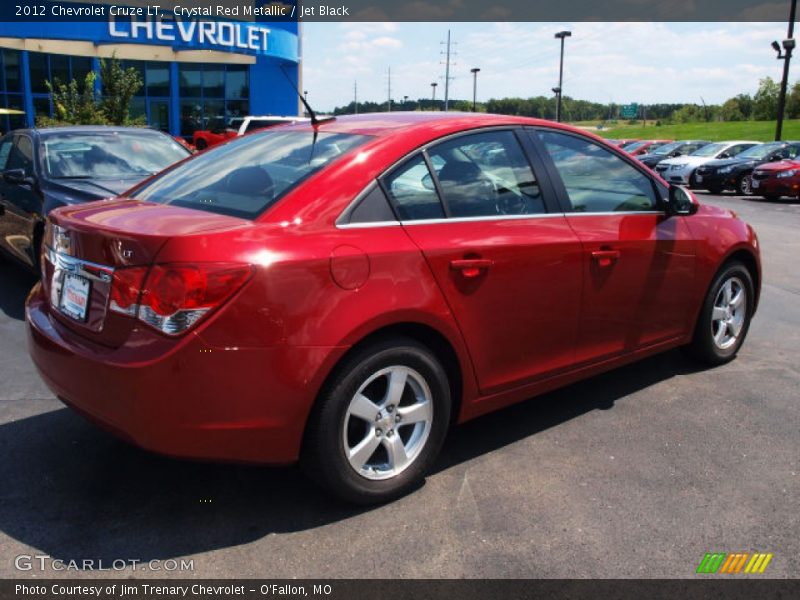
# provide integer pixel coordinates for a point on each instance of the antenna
(309, 110)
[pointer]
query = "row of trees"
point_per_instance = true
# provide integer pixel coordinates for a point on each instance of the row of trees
(762, 106)
(90, 102)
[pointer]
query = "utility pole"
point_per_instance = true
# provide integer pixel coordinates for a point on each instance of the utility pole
(788, 46)
(474, 71)
(560, 89)
(447, 77)
(433, 97)
(355, 97)
(389, 101)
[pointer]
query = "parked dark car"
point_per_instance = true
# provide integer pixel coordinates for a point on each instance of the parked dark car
(735, 173)
(43, 169)
(672, 150)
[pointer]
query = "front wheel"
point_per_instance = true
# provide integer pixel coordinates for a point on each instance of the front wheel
(201, 144)
(725, 317)
(746, 185)
(380, 423)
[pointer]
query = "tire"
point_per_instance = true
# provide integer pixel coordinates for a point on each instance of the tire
(744, 186)
(201, 145)
(771, 198)
(395, 457)
(714, 189)
(717, 340)
(692, 181)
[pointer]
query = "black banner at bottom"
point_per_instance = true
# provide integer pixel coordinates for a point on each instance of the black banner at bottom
(399, 589)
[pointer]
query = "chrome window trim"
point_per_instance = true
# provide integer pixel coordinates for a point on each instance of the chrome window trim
(377, 224)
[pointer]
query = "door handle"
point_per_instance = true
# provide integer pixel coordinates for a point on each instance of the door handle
(605, 258)
(471, 267)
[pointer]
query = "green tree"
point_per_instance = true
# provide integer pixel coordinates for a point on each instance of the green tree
(72, 105)
(119, 87)
(793, 102)
(765, 102)
(731, 111)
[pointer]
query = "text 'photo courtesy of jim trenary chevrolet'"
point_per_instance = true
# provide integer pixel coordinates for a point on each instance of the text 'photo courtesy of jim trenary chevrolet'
(457, 300)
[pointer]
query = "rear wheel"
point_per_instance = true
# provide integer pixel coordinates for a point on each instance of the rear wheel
(380, 424)
(201, 144)
(725, 317)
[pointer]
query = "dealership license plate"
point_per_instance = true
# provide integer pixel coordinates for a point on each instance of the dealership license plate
(75, 296)
(755, 184)
(699, 178)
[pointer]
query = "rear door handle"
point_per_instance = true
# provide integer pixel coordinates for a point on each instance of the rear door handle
(471, 267)
(605, 258)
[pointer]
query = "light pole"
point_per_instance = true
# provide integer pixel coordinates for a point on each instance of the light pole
(405, 99)
(433, 98)
(788, 46)
(474, 72)
(561, 35)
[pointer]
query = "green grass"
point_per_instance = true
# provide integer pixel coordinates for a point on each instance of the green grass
(762, 131)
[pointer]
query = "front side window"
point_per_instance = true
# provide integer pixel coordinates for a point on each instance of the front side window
(595, 179)
(486, 174)
(247, 176)
(21, 155)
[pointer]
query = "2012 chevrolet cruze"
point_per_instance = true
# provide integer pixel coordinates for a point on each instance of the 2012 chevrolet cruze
(340, 293)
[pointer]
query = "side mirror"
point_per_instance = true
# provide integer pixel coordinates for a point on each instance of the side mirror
(18, 177)
(723, 155)
(681, 202)
(775, 157)
(676, 153)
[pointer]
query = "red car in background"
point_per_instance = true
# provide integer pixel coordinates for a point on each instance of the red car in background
(237, 126)
(339, 293)
(621, 143)
(776, 179)
(644, 146)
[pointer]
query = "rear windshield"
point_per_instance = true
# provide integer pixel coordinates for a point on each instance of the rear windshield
(245, 177)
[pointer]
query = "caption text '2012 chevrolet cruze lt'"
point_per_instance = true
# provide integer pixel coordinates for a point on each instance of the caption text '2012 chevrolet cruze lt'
(341, 292)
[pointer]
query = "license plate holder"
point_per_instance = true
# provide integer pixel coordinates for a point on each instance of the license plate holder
(75, 294)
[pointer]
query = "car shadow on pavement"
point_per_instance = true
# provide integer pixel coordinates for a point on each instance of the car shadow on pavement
(74, 492)
(15, 283)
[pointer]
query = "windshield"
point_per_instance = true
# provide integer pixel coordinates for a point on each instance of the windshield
(709, 150)
(109, 155)
(245, 177)
(667, 148)
(634, 146)
(762, 151)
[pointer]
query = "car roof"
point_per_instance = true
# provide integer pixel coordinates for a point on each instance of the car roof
(434, 122)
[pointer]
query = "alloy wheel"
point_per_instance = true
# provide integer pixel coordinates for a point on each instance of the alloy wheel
(728, 315)
(387, 422)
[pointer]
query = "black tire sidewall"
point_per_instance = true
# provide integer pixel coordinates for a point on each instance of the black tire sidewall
(703, 345)
(324, 453)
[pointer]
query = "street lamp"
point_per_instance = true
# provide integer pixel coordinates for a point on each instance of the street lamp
(433, 99)
(474, 72)
(788, 46)
(405, 99)
(561, 35)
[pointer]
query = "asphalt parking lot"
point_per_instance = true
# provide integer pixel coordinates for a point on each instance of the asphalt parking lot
(636, 473)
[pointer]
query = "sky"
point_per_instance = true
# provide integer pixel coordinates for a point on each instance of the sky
(603, 62)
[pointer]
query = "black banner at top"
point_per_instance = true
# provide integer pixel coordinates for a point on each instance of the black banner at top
(400, 10)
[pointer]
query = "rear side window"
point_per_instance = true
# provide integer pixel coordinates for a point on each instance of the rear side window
(248, 175)
(414, 194)
(597, 180)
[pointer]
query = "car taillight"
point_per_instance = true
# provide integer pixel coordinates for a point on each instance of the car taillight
(174, 297)
(126, 286)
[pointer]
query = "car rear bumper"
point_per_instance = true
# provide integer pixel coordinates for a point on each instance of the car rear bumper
(192, 400)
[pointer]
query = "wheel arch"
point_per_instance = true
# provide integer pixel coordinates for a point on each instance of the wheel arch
(749, 260)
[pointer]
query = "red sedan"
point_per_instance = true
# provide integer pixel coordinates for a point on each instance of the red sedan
(776, 179)
(341, 293)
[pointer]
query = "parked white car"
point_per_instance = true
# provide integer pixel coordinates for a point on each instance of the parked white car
(681, 169)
